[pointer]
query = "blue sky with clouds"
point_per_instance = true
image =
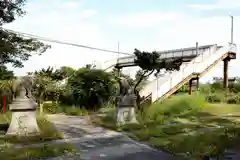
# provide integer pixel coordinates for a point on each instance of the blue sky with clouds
(147, 25)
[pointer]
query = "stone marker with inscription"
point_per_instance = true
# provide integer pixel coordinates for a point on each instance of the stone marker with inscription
(23, 120)
(125, 109)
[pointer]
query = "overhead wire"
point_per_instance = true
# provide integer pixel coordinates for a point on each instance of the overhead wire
(62, 42)
(28, 35)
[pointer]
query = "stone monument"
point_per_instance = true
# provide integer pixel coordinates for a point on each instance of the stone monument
(23, 122)
(125, 109)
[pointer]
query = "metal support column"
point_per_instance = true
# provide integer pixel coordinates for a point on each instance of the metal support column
(190, 87)
(197, 83)
(225, 73)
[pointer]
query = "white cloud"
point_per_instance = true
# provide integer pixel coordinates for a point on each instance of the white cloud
(218, 4)
(143, 19)
(89, 13)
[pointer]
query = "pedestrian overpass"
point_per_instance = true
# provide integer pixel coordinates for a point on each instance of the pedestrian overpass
(197, 61)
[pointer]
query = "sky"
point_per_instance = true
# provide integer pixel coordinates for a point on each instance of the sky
(144, 24)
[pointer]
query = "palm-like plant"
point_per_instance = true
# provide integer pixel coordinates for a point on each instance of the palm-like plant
(47, 82)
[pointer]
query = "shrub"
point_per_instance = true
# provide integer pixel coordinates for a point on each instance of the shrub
(75, 111)
(233, 98)
(205, 89)
(69, 110)
(214, 98)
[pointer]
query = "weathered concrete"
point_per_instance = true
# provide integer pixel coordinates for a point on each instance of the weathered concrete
(97, 143)
(23, 120)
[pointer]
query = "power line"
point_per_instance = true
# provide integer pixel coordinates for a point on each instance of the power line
(62, 42)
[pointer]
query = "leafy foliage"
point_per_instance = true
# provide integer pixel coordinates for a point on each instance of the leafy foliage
(5, 74)
(150, 62)
(92, 87)
(67, 71)
(9, 10)
(13, 48)
(49, 72)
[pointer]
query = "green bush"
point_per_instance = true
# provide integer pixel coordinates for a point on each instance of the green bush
(75, 111)
(205, 88)
(235, 87)
(233, 98)
(175, 106)
(50, 108)
(69, 110)
(214, 98)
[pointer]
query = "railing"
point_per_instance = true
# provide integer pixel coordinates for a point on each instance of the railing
(172, 53)
(159, 87)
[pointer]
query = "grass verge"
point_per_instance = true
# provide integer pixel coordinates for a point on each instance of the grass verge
(41, 152)
(184, 125)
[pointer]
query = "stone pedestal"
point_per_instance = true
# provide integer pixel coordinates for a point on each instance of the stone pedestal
(23, 122)
(126, 110)
(126, 115)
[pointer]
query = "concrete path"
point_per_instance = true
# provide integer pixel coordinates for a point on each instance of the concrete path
(97, 143)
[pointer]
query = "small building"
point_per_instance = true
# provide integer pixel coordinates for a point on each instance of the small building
(220, 79)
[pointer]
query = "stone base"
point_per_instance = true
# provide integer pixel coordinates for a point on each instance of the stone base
(126, 115)
(23, 123)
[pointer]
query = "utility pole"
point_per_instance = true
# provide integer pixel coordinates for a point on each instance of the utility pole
(118, 60)
(231, 29)
(118, 52)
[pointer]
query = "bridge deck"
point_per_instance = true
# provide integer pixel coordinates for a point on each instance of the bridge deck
(187, 54)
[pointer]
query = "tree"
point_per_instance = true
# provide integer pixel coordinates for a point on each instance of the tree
(6, 77)
(117, 74)
(57, 75)
(47, 85)
(13, 48)
(138, 76)
(67, 71)
(5, 74)
(92, 87)
(151, 62)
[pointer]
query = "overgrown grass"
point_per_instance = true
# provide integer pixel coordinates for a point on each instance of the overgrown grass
(41, 152)
(175, 106)
(53, 108)
(184, 125)
(107, 119)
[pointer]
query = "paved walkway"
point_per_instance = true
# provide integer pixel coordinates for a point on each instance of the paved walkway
(97, 143)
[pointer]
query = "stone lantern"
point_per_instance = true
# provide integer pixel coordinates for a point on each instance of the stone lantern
(23, 122)
(126, 109)
(125, 112)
